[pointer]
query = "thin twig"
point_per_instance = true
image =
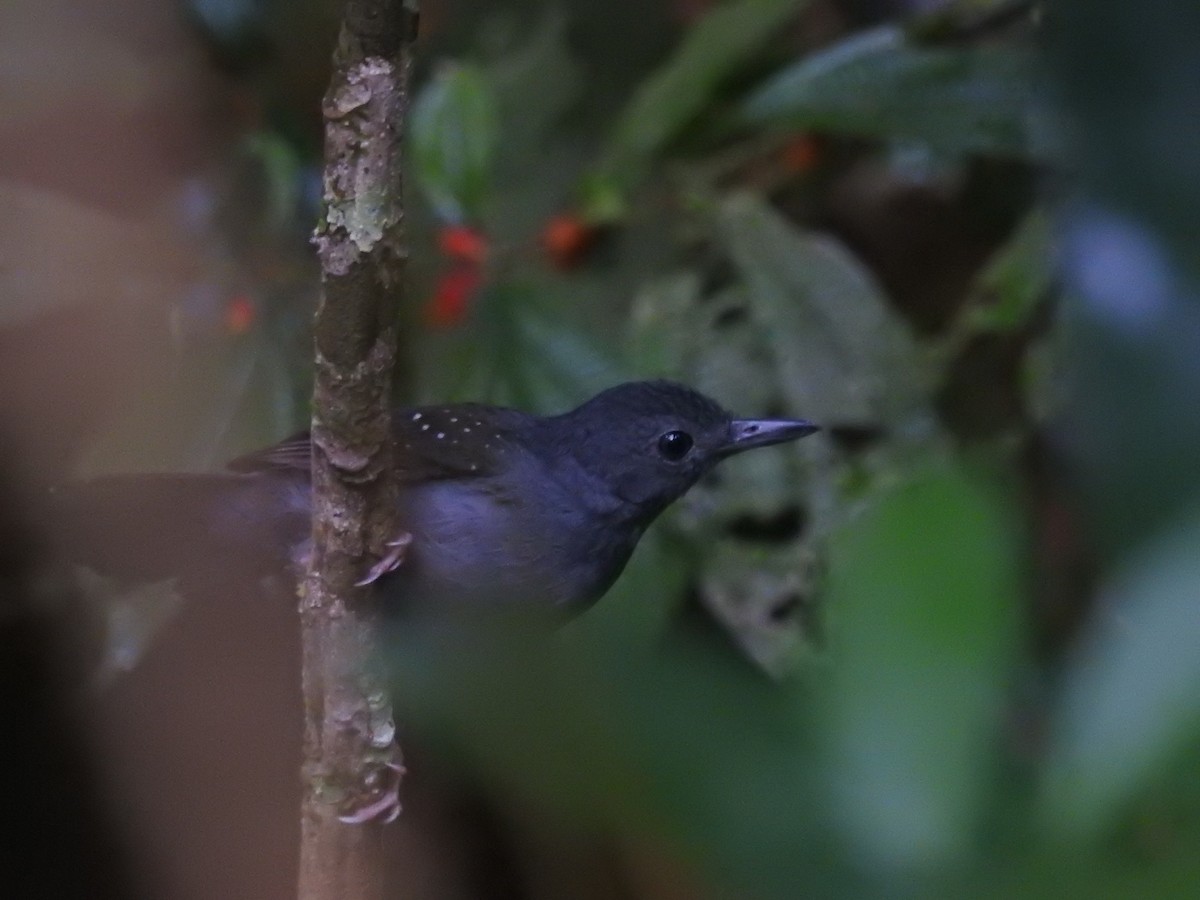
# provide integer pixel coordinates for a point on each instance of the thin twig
(349, 757)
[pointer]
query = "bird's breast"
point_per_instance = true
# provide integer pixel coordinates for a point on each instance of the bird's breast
(475, 544)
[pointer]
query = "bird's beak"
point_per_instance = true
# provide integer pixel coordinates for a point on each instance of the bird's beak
(745, 434)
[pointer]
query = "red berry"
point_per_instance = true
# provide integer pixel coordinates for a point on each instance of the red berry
(452, 298)
(463, 243)
(688, 11)
(240, 314)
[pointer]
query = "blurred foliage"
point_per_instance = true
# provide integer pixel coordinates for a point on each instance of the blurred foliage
(925, 585)
(1016, 280)
(452, 140)
(887, 84)
(1128, 705)
(911, 720)
(672, 97)
(981, 641)
(843, 356)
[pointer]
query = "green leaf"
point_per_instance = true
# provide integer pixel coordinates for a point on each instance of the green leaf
(764, 597)
(843, 354)
(926, 591)
(672, 97)
(1130, 702)
(1016, 279)
(881, 84)
(453, 141)
(601, 199)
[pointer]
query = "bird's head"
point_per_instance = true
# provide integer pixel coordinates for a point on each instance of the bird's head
(647, 442)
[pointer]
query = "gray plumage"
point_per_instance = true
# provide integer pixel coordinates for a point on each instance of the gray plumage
(503, 506)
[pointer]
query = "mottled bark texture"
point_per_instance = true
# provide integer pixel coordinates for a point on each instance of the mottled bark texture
(349, 755)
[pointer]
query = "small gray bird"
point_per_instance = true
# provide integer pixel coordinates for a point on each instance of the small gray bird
(502, 506)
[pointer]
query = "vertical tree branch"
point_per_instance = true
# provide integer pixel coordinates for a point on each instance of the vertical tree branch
(349, 756)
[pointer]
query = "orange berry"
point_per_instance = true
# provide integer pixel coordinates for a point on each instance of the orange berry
(566, 239)
(801, 154)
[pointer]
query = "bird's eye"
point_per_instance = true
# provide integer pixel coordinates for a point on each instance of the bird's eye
(674, 445)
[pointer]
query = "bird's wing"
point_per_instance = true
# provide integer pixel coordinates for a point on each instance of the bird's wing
(291, 454)
(429, 443)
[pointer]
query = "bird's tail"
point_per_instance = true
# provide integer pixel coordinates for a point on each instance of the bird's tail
(218, 528)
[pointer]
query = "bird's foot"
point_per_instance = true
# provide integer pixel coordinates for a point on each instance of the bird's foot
(382, 803)
(389, 562)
